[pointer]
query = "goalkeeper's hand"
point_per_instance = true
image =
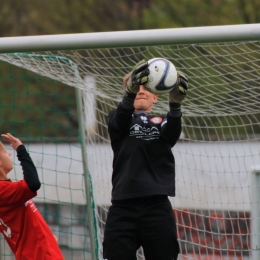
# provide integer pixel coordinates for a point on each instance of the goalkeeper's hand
(178, 93)
(138, 76)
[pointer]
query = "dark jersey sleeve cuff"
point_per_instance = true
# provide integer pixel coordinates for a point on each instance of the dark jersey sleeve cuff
(175, 109)
(128, 100)
(20, 148)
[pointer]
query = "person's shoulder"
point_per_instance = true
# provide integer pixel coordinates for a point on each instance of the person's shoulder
(113, 111)
(110, 116)
(5, 182)
(10, 182)
(6, 185)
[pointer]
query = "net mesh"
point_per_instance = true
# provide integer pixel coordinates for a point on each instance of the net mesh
(218, 146)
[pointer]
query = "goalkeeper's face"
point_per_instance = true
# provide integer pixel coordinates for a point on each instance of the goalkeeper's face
(144, 100)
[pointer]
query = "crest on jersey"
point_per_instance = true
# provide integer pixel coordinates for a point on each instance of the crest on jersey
(156, 120)
(144, 119)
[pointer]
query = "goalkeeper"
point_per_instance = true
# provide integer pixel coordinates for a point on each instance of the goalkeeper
(21, 224)
(143, 172)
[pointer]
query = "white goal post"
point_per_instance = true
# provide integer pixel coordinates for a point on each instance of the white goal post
(228, 33)
(221, 124)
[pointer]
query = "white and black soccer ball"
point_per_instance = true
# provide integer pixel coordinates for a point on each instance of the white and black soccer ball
(163, 76)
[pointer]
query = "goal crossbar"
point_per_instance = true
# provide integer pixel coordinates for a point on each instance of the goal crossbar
(217, 203)
(189, 35)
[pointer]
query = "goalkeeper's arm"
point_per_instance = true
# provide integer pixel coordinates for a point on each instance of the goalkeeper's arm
(171, 129)
(120, 118)
(129, 97)
(132, 81)
(177, 95)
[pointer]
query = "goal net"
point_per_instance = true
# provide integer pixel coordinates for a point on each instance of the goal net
(215, 155)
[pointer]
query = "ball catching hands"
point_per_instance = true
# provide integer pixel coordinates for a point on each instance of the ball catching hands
(138, 76)
(178, 93)
(13, 141)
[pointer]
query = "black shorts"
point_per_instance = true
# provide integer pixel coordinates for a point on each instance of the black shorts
(146, 222)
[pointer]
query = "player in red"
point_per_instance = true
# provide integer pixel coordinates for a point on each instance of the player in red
(21, 224)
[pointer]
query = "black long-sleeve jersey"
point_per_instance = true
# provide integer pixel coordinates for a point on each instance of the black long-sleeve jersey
(143, 163)
(29, 171)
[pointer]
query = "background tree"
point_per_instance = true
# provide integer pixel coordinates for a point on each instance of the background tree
(20, 18)
(24, 18)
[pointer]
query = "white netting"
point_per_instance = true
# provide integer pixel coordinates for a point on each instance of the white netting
(218, 147)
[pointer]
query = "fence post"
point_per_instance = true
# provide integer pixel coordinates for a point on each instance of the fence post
(255, 212)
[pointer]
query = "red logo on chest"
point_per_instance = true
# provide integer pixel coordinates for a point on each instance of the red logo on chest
(156, 120)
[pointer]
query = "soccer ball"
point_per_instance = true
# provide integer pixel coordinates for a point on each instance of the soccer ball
(162, 77)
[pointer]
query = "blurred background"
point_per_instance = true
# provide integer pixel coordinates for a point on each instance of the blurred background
(27, 18)
(43, 113)
(21, 18)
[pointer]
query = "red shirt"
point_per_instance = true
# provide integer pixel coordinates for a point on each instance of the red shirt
(23, 227)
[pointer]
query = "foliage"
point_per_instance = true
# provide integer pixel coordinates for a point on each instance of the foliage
(31, 108)
(22, 18)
